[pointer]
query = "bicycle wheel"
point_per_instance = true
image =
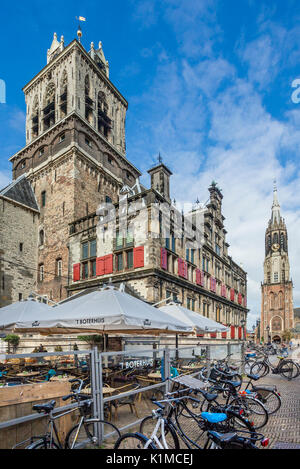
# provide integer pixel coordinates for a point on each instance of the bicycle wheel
(43, 445)
(252, 409)
(288, 369)
(147, 427)
(83, 437)
(269, 398)
(132, 441)
(259, 368)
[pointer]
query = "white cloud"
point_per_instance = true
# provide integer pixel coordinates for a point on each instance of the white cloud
(209, 124)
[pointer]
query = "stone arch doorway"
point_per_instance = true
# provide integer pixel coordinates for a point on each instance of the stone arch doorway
(276, 339)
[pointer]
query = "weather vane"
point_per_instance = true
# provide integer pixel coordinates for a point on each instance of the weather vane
(79, 31)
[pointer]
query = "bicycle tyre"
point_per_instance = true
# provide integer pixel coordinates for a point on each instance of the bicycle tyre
(252, 409)
(269, 398)
(87, 432)
(147, 427)
(259, 368)
(288, 369)
(133, 441)
(43, 445)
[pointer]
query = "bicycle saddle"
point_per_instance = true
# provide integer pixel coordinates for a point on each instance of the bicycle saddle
(209, 396)
(47, 408)
(255, 377)
(235, 384)
(212, 417)
(222, 437)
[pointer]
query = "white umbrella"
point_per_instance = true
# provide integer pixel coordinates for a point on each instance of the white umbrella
(107, 310)
(21, 310)
(196, 320)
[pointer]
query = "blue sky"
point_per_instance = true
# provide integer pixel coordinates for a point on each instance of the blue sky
(209, 86)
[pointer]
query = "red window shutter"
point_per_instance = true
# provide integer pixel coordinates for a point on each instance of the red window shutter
(100, 266)
(185, 272)
(198, 277)
(240, 332)
(213, 284)
(138, 257)
(232, 294)
(109, 265)
(239, 298)
(76, 272)
(180, 267)
(200, 335)
(232, 332)
(224, 335)
(202, 279)
(163, 259)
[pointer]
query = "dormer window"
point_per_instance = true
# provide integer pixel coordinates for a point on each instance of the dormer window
(42, 151)
(62, 137)
(88, 142)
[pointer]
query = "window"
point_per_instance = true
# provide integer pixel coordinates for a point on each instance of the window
(21, 247)
(43, 197)
(85, 250)
(275, 277)
(85, 270)
(129, 259)
(62, 137)
(42, 151)
(110, 160)
(93, 248)
(108, 199)
(192, 256)
(89, 249)
(59, 267)
(88, 142)
(41, 272)
(20, 296)
(93, 268)
(42, 237)
(119, 262)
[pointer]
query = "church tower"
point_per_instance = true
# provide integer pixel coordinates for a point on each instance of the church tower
(277, 287)
(75, 153)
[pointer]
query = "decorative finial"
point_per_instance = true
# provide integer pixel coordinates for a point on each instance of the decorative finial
(100, 45)
(79, 33)
(92, 45)
(159, 158)
(197, 201)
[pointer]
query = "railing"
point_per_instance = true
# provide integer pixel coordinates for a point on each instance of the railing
(97, 362)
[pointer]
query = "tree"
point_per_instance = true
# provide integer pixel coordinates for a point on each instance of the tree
(92, 340)
(12, 341)
(287, 336)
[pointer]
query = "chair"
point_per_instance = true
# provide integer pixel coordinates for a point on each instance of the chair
(152, 394)
(127, 400)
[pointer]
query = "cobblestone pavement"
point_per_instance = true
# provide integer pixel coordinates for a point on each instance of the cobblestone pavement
(284, 425)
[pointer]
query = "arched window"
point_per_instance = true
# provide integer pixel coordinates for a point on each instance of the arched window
(276, 324)
(104, 122)
(271, 300)
(275, 238)
(49, 106)
(280, 300)
(35, 117)
(89, 103)
(41, 238)
(64, 94)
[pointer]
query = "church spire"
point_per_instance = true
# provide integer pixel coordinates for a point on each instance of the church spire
(275, 206)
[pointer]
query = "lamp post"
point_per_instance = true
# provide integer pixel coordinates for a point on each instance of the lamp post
(243, 323)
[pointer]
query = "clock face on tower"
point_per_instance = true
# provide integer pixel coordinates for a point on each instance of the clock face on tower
(275, 247)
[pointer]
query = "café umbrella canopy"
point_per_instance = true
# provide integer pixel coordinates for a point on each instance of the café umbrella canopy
(21, 310)
(199, 323)
(107, 310)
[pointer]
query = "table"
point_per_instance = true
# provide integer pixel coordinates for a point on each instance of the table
(62, 378)
(28, 375)
(105, 390)
(155, 375)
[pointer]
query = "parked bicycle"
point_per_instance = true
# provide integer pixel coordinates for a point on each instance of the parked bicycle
(81, 435)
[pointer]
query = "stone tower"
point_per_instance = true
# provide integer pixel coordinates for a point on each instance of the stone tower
(75, 155)
(277, 287)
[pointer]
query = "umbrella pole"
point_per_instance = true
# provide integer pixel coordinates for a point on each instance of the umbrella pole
(176, 346)
(105, 345)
